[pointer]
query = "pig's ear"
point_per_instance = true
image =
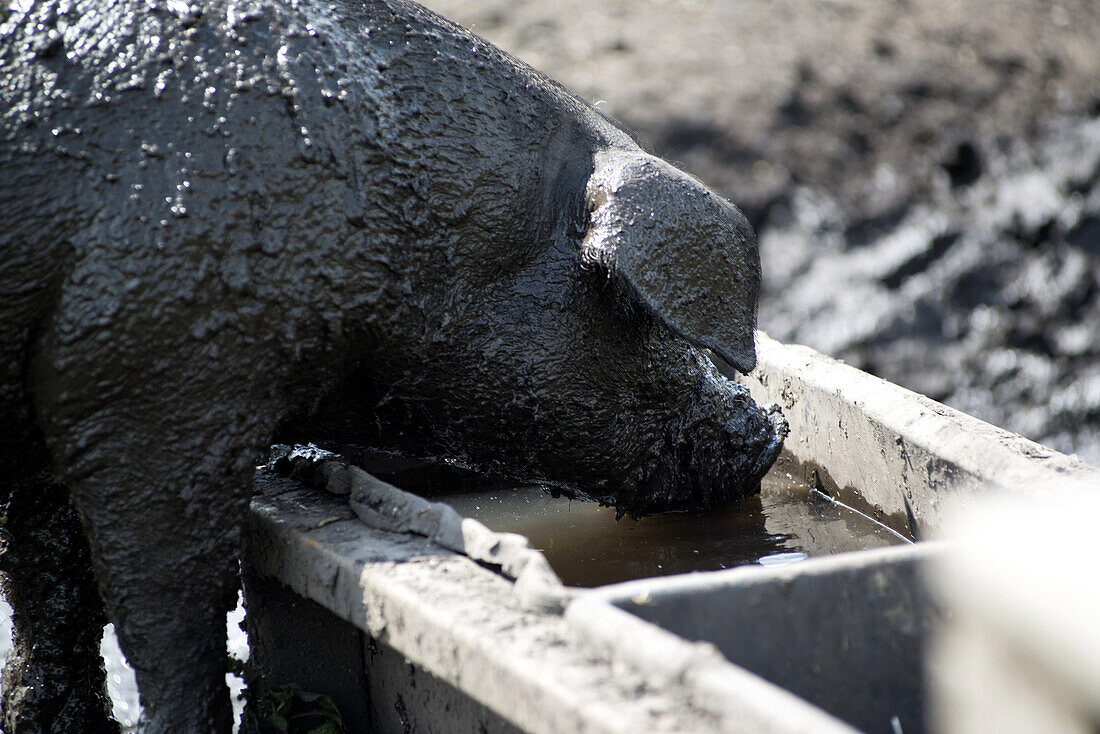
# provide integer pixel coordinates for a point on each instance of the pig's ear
(684, 252)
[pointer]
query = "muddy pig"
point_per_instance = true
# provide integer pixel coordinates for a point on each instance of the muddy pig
(228, 222)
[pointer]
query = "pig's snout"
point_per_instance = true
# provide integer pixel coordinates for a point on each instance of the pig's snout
(715, 450)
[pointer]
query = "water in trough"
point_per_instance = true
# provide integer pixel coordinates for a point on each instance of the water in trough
(587, 546)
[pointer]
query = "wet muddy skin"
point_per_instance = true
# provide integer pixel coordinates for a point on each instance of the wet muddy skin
(787, 522)
(234, 222)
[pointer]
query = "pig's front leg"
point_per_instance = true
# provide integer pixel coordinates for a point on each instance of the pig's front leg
(159, 460)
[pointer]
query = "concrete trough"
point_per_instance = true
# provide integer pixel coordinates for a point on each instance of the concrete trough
(406, 636)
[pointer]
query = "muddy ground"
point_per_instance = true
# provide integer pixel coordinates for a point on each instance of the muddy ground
(924, 176)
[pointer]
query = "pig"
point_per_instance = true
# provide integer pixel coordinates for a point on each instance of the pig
(231, 222)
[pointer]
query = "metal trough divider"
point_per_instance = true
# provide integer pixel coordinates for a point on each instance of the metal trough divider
(845, 632)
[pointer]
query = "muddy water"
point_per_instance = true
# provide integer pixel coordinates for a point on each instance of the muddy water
(786, 522)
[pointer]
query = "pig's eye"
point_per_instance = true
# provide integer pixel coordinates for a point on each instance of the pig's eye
(580, 218)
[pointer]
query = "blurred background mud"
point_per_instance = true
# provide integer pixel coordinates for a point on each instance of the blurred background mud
(924, 176)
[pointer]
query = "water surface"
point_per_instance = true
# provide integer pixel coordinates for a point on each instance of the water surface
(786, 522)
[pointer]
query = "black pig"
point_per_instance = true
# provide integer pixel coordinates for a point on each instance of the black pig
(227, 222)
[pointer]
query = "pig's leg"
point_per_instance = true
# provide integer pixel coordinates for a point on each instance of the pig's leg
(155, 411)
(54, 678)
(165, 536)
(160, 465)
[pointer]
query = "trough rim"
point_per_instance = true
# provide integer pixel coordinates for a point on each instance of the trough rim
(915, 461)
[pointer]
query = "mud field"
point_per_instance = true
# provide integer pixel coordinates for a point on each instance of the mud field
(924, 176)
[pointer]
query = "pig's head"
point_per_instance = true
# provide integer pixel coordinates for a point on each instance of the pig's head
(583, 364)
(550, 289)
